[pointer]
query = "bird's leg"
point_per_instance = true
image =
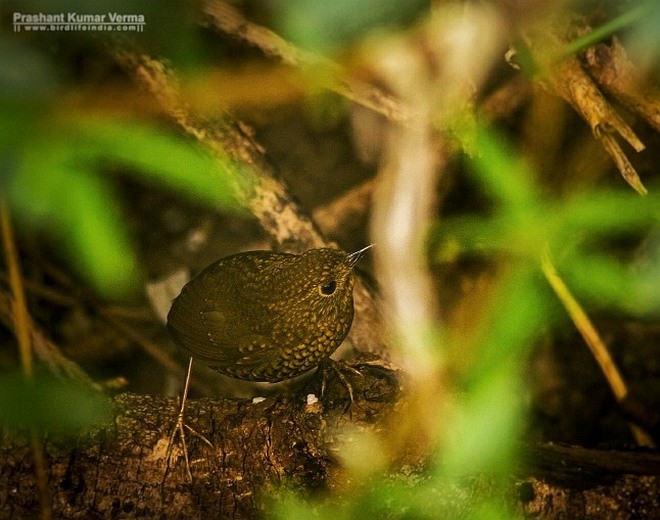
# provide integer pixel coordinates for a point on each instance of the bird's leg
(181, 426)
(180, 423)
(337, 367)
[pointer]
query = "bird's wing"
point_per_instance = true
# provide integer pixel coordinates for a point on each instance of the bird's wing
(221, 337)
(220, 334)
(240, 340)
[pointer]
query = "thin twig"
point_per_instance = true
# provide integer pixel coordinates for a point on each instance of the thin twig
(227, 19)
(19, 307)
(47, 293)
(620, 78)
(45, 350)
(113, 316)
(593, 340)
(22, 331)
(564, 76)
(154, 350)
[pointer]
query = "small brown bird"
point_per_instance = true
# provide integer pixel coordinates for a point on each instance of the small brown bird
(264, 316)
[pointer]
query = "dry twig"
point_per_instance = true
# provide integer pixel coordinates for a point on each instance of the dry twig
(595, 343)
(256, 184)
(565, 77)
(227, 19)
(21, 324)
(618, 76)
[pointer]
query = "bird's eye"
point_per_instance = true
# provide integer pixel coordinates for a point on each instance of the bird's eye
(328, 288)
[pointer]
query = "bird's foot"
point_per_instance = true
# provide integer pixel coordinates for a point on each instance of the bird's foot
(180, 428)
(338, 367)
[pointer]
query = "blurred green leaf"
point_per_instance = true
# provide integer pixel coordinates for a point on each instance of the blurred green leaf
(641, 16)
(57, 184)
(503, 174)
(49, 405)
(523, 223)
(643, 40)
(520, 225)
(608, 212)
(323, 25)
(77, 209)
(516, 313)
(486, 426)
(167, 160)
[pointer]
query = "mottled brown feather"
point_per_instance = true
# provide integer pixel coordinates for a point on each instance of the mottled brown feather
(262, 316)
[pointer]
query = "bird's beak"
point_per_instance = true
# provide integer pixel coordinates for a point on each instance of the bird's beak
(353, 258)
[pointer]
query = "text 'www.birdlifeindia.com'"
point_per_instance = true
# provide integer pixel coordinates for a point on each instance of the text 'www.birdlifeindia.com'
(77, 22)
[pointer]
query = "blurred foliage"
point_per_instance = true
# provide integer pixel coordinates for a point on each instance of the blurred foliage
(575, 229)
(55, 167)
(57, 184)
(486, 417)
(56, 170)
(47, 404)
(635, 24)
(640, 16)
(322, 25)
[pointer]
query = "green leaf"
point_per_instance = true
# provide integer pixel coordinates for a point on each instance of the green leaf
(485, 427)
(505, 177)
(49, 404)
(323, 25)
(516, 312)
(76, 209)
(58, 185)
(637, 16)
(158, 157)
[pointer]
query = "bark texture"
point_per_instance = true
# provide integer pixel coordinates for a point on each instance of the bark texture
(120, 470)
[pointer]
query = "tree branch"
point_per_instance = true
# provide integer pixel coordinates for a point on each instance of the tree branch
(120, 470)
(257, 184)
